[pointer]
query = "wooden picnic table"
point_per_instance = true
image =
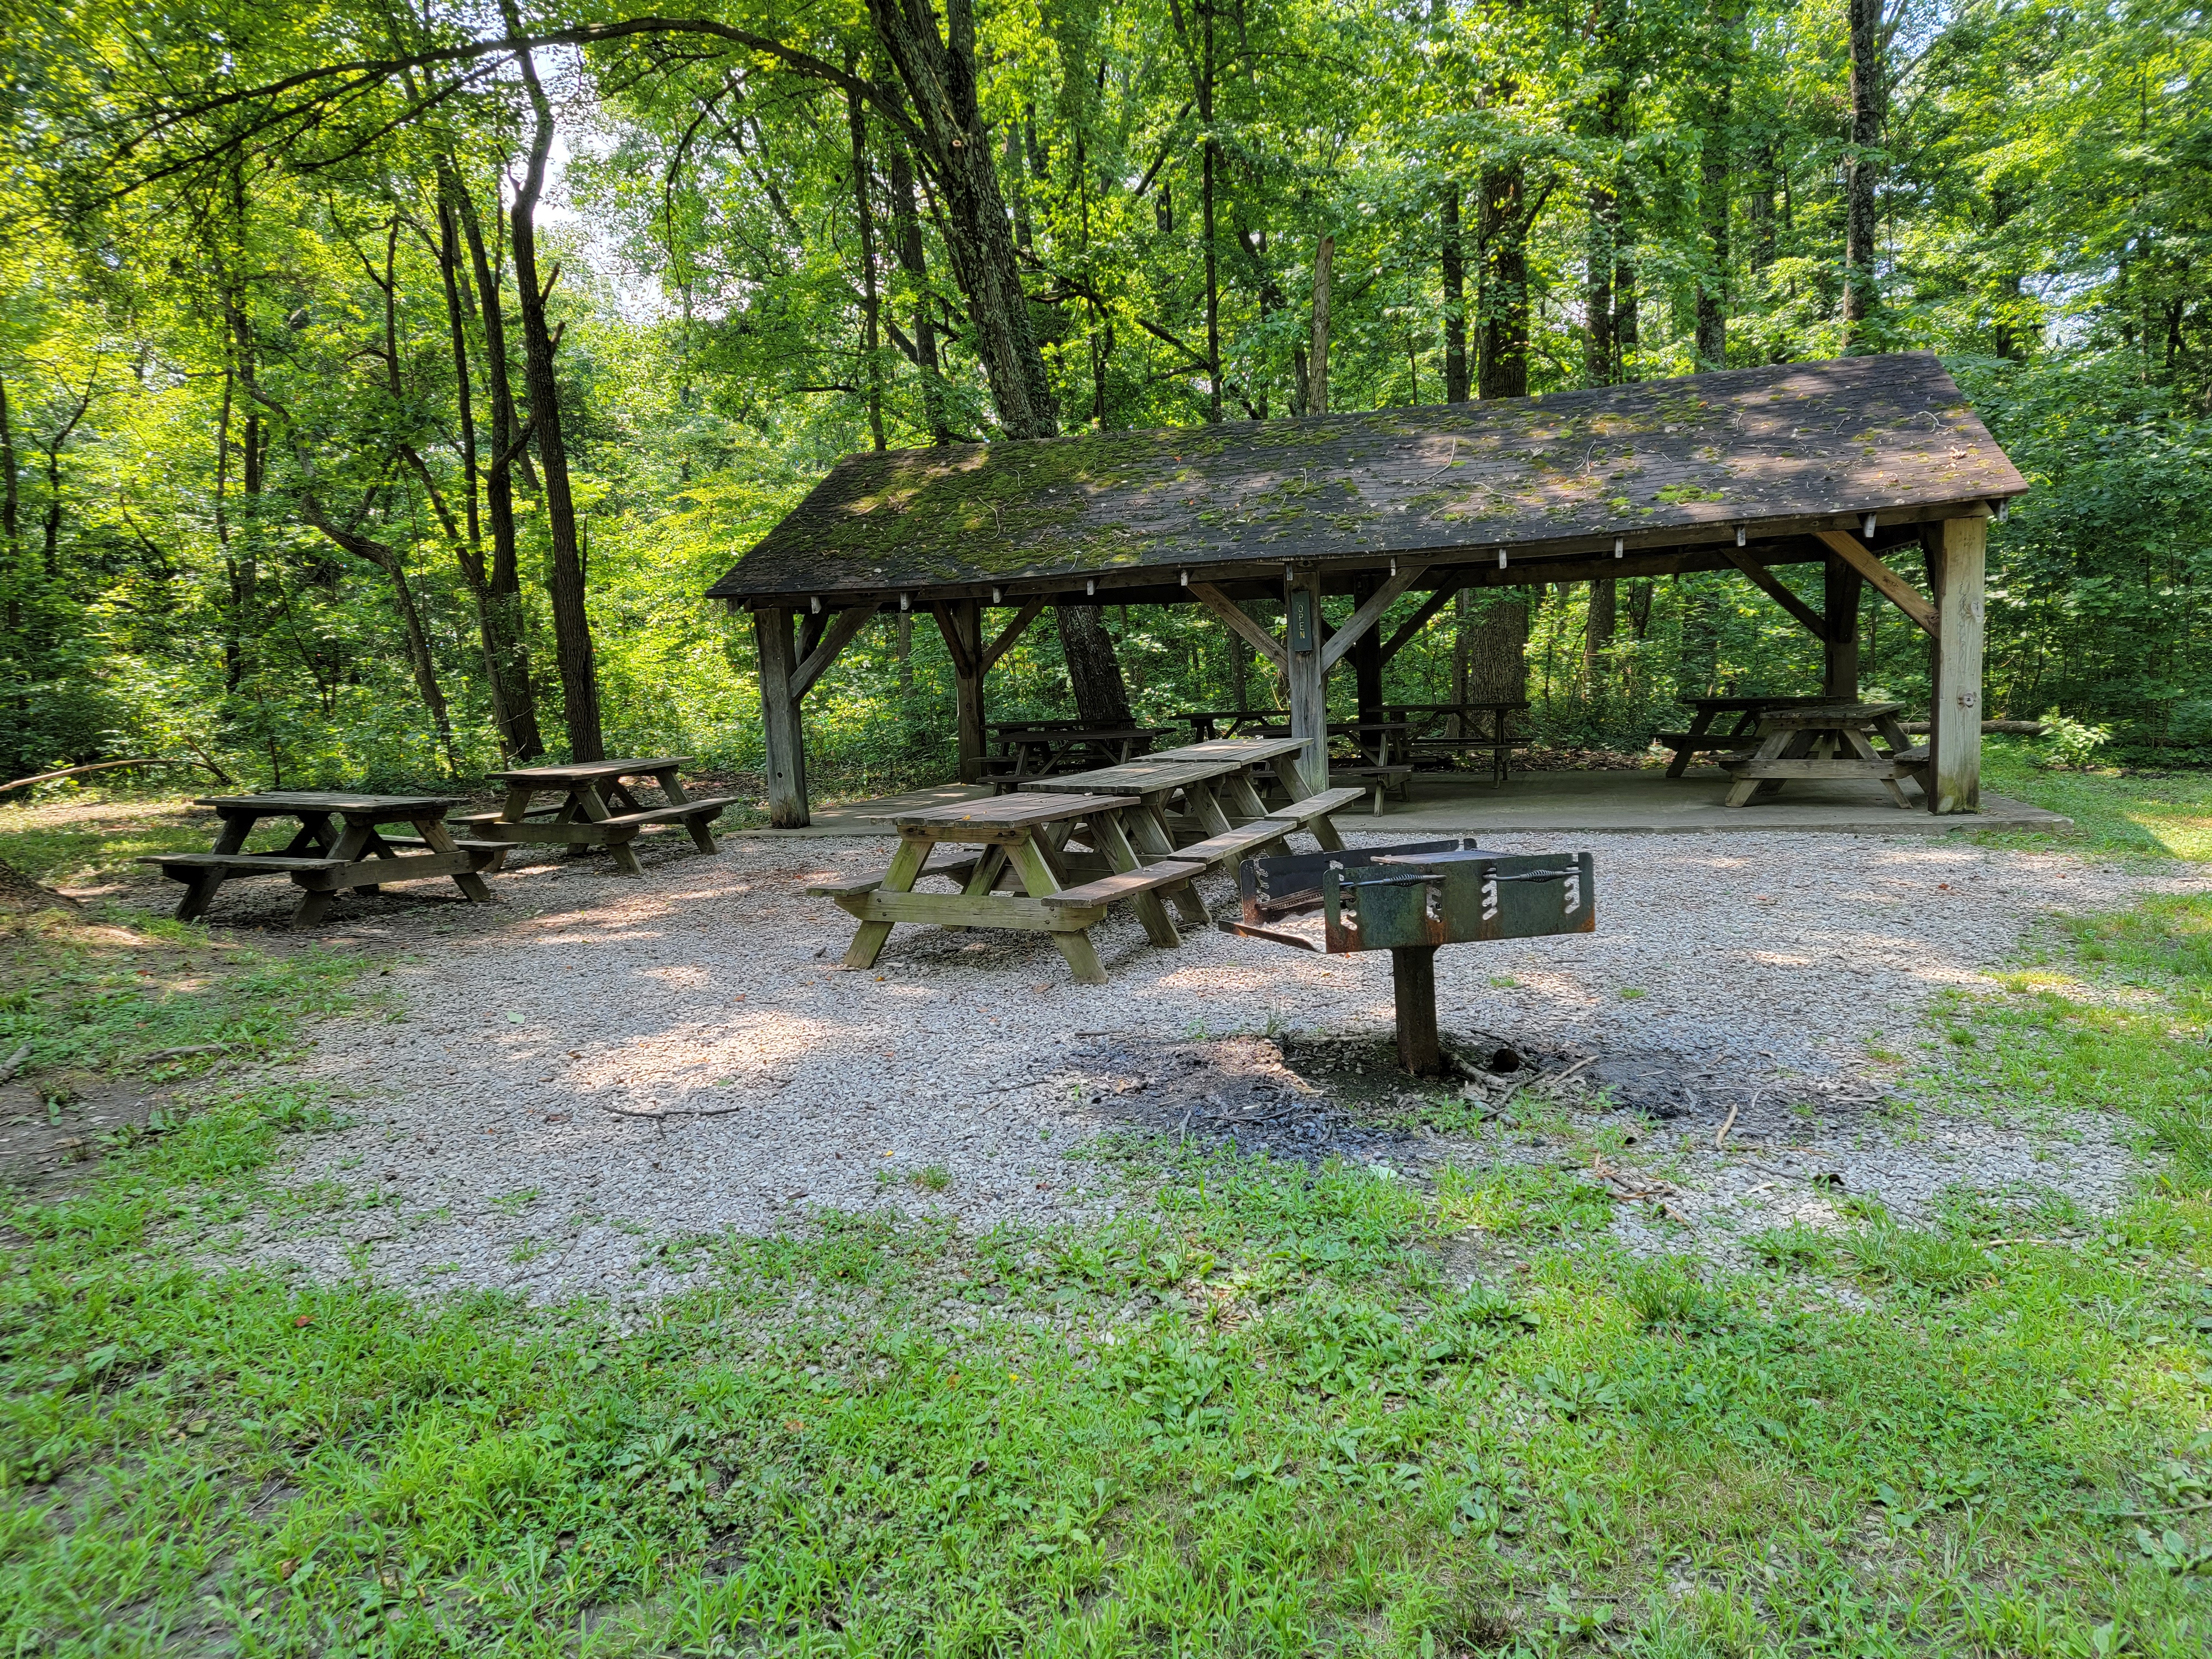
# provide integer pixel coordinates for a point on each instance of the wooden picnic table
(1484, 727)
(1075, 849)
(1013, 831)
(585, 815)
(1030, 749)
(324, 860)
(1817, 739)
(1741, 736)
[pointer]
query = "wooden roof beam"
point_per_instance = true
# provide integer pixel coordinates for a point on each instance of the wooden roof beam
(1893, 588)
(1250, 632)
(1368, 614)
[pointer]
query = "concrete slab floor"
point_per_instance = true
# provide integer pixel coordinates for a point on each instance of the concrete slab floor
(1597, 803)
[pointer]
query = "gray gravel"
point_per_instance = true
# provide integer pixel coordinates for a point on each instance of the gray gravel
(624, 1064)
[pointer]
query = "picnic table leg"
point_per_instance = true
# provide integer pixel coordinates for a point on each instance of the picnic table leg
(199, 893)
(594, 809)
(1028, 856)
(906, 864)
(1698, 725)
(236, 826)
(315, 901)
(1238, 786)
(436, 837)
(1114, 841)
(1149, 830)
(1803, 746)
(315, 831)
(1740, 792)
(1865, 751)
(673, 787)
(1322, 828)
(1199, 801)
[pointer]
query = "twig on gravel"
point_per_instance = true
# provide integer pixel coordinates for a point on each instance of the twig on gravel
(1720, 1135)
(9, 1066)
(179, 1054)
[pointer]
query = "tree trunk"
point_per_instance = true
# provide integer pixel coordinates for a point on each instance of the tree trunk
(871, 366)
(1199, 60)
(1093, 670)
(1713, 187)
(907, 228)
(506, 637)
(1496, 650)
(572, 626)
(1324, 259)
(1501, 235)
(1455, 275)
(1869, 103)
(939, 73)
(410, 618)
(1701, 639)
(1598, 630)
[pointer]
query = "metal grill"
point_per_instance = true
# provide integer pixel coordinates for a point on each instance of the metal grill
(1409, 900)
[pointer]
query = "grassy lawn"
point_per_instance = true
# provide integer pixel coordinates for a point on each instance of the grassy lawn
(1269, 1415)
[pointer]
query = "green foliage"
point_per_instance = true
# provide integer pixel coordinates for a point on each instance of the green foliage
(222, 310)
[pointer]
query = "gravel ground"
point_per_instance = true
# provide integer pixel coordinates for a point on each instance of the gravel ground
(616, 1064)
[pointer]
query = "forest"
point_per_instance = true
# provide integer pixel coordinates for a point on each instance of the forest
(381, 386)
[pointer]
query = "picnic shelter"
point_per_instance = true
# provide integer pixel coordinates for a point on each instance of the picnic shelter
(1858, 465)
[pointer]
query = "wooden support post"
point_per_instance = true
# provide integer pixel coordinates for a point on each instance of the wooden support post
(1840, 639)
(786, 744)
(1413, 987)
(1367, 655)
(960, 621)
(1304, 637)
(1957, 557)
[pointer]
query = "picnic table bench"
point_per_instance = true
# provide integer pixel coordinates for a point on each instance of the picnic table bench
(1822, 739)
(1741, 736)
(323, 859)
(584, 817)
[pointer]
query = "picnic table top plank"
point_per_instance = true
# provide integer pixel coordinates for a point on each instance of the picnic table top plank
(552, 777)
(1741, 702)
(1137, 777)
(1242, 750)
(1015, 811)
(283, 802)
(1818, 714)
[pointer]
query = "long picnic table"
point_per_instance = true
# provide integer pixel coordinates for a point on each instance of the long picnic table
(1076, 845)
(585, 815)
(323, 859)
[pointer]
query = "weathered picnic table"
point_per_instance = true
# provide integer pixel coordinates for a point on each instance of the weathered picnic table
(324, 860)
(1076, 845)
(1041, 748)
(1741, 736)
(585, 815)
(1827, 740)
(1015, 834)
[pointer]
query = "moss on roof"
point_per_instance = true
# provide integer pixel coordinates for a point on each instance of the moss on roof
(1854, 436)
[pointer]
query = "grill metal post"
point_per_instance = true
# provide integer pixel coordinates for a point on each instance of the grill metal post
(1414, 985)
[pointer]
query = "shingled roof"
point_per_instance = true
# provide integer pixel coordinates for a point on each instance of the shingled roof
(1667, 464)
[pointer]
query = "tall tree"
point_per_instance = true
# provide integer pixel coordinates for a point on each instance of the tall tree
(572, 622)
(1863, 165)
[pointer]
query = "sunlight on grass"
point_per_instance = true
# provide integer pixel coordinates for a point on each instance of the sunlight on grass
(2165, 815)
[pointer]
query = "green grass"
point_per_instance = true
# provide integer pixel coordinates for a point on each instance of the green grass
(2137, 811)
(1266, 1411)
